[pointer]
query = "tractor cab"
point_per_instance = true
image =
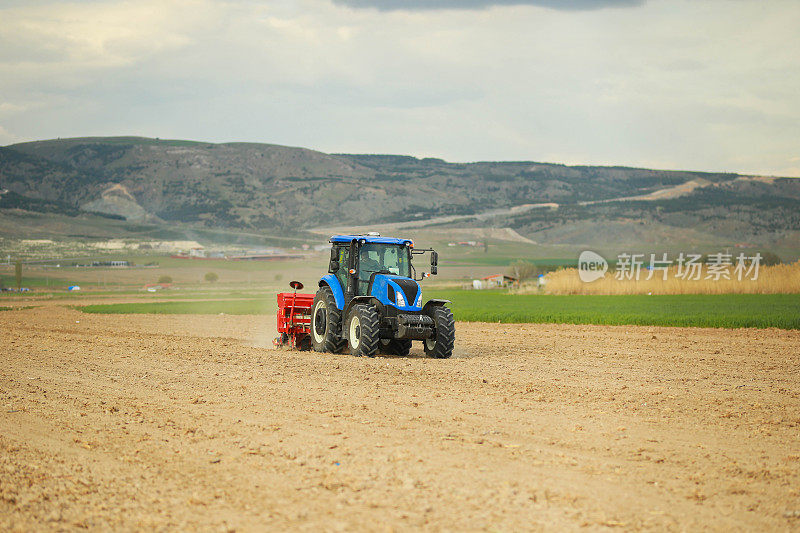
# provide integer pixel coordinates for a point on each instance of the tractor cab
(363, 264)
(371, 298)
(378, 258)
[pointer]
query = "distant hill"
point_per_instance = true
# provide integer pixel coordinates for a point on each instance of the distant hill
(258, 187)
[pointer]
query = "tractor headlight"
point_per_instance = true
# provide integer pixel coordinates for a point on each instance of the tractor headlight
(399, 300)
(419, 298)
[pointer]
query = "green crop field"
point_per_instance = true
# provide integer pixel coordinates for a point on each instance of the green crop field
(724, 311)
(698, 310)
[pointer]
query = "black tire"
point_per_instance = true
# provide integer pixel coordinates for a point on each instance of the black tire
(398, 347)
(304, 344)
(440, 346)
(326, 323)
(363, 330)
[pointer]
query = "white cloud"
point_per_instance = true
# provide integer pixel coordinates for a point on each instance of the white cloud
(95, 34)
(6, 137)
(9, 108)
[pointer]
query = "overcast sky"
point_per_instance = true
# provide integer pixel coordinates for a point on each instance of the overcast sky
(700, 84)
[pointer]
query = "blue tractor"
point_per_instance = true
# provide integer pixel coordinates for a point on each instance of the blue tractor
(371, 300)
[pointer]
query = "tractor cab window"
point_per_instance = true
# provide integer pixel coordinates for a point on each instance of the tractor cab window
(382, 258)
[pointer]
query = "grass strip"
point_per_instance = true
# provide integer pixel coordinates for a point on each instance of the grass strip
(228, 307)
(690, 310)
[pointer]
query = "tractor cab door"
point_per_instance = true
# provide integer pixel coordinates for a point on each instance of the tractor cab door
(367, 265)
(344, 261)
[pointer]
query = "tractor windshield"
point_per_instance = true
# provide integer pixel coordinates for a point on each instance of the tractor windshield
(387, 258)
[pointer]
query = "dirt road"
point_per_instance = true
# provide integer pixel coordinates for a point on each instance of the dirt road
(189, 422)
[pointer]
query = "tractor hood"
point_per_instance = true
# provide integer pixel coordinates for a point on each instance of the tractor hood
(398, 291)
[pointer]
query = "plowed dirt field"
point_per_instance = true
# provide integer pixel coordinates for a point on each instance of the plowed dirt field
(196, 423)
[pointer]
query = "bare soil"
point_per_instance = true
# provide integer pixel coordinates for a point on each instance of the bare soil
(194, 422)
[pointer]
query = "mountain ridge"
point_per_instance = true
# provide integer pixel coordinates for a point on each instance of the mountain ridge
(258, 186)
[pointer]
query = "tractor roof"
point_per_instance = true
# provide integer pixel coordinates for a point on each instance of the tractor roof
(371, 238)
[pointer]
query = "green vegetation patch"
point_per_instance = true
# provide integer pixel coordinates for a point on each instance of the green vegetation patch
(209, 307)
(41, 281)
(691, 310)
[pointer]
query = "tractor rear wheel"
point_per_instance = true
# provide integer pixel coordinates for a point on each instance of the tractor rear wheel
(363, 330)
(326, 322)
(440, 346)
(398, 347)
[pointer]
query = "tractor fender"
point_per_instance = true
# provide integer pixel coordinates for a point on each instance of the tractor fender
(361, 300)
(430, 304)
(336, 288)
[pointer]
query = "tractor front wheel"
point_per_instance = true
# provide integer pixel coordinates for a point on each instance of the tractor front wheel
(363, 330)
(440, 346)
(326, 322)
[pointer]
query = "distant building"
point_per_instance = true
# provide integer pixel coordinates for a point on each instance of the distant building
(499, 280)
(495, 281)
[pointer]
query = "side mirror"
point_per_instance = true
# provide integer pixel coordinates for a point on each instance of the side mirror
(434, 270)
(333, 266)
(434, 258)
